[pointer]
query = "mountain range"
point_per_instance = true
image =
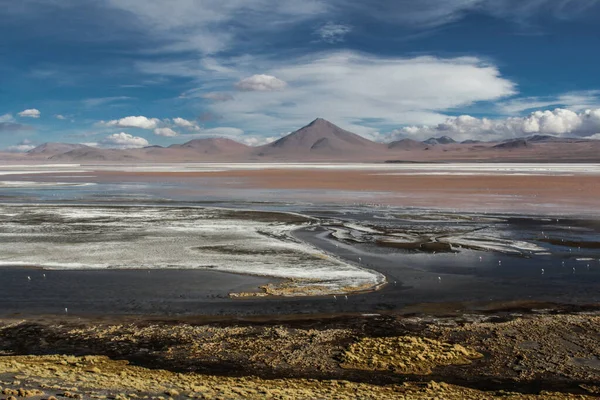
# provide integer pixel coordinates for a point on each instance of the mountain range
(322, 141)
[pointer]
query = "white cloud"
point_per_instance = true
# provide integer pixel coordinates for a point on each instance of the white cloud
(30, 113)
(348, 88)
(91, 144)
(558, 122)
(206, 25)
(24, 146)
(259, 140)
(6, 118)
(575, 101)
(60, 116)
(124, 141)
(20, 148)
(333, 33)
(167, 132)
(217, 96)
(213, 26)
(184, 123)
(260, 83)
(98, 101)
(221, 131)
(134, 122)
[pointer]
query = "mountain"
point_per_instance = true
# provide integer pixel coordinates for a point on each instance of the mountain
(512, 144)
(95, 154)
(212, 146)
(320, 140)
(49, 149)
(440, 140)
(407, 144)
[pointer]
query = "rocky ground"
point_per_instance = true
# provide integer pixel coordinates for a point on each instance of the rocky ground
(537, 355)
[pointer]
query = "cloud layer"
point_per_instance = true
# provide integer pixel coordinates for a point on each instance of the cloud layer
(558, 122)
(124, 141)
(134, 122)
(260, 83)
(350, 88)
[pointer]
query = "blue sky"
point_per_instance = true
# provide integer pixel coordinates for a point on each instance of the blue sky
(127, 73)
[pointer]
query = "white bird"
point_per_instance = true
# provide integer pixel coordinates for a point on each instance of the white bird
(345, 297)
(573, 269)
(439, 278)
(542, 271)
(66, 310)
(44, 275)
(334, 298)
(499, 262)
(359, 259)
(480, 258)
(28, 278)
(394, 283)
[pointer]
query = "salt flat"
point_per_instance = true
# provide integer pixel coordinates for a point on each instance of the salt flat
(430, 168)
(76, 237)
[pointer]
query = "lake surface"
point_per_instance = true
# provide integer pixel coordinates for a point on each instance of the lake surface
(427, 256)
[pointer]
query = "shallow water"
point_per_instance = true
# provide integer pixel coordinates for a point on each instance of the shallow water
(493, 257)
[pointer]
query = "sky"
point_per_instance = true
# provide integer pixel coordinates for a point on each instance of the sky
(133, 73)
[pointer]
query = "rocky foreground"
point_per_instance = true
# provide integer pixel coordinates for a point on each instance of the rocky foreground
(378, 357)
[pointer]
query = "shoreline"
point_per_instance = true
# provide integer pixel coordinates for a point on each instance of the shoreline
(465, 356)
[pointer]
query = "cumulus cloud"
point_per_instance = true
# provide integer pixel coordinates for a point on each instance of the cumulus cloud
(575, 101)
(134, 122)
(558, 122)
(333, 33)
(30, 113)
(260, 83)
(259, 140)
(22, 147)
(167, 132)
(60, 116)
(183, 123)
(124, 141)
(6, 118)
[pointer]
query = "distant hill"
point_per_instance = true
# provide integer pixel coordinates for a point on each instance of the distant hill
(50, 149)
(95, 154)
(407, 144)
(440, 140)
(512, 144)
(319, 139)
(212, 146)
(323, 141)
